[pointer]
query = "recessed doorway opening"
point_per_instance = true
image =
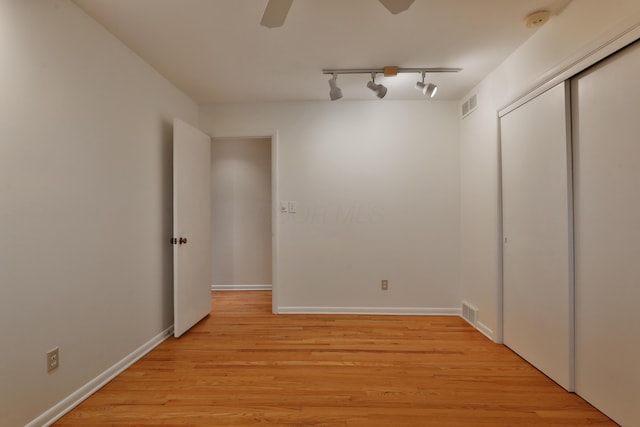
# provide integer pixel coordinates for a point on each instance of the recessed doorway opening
(242, 213)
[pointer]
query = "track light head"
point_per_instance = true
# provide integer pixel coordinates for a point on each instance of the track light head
(431, 90)
(334, 92)
(378, 89)
(426, 89)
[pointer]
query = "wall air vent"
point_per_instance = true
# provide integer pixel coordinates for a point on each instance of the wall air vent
(473, 102)
(469, 313)
(469, 105)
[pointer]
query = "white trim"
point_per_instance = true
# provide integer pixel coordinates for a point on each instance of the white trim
(275, 218)
(386, 311)
(625, 33)
(485, 330)
(571, 386)
(241, 287)
(56, 412)
(498, 337)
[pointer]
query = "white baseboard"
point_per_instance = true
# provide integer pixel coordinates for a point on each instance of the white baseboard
(74, 399)
(391, 311)
(241, 287)
(485, 330)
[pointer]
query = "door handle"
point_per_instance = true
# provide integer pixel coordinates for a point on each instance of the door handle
(173, 241)
(182, 240)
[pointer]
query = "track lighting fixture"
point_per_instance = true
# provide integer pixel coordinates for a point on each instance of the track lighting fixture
(380, 90)
(431, 90)
(334, 92)
(426, 89)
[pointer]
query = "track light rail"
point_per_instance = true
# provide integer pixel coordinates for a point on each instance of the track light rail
(380, 90)
(382, 70)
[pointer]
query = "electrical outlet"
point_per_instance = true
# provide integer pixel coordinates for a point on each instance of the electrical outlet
(384, 285)
(53, 359)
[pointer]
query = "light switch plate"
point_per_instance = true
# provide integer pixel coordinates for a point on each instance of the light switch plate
(284, 207)
(293, 206)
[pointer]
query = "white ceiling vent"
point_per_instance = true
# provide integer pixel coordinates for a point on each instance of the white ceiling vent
(469, 105)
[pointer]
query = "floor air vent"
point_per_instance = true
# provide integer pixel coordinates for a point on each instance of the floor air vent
(469, 313)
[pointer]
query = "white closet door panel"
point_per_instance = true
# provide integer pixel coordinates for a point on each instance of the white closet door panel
(537, 227)
(606, 120)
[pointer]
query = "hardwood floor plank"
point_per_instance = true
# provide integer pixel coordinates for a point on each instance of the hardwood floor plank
(244, 366)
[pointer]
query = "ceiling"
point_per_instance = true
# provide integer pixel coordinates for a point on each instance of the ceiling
(216, 51)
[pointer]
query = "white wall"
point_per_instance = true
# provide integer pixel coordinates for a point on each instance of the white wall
(241, 211)
(85, 202)
(566, 37)
(377, 188)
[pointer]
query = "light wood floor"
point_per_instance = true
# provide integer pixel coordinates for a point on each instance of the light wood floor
(245, 366)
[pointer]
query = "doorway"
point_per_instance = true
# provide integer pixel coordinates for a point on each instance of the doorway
(241, 213)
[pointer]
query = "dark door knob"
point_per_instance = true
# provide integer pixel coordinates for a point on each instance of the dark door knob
(182, 240)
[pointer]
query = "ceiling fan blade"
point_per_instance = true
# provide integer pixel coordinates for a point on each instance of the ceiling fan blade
(275, 13)
(397, 6)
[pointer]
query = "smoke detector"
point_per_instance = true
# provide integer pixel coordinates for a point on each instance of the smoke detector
(537, 19)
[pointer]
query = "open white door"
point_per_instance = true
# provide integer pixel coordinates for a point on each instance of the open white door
(191, 226)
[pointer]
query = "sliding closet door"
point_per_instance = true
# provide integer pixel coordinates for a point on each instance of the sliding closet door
(606, 121)
(537, 228)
